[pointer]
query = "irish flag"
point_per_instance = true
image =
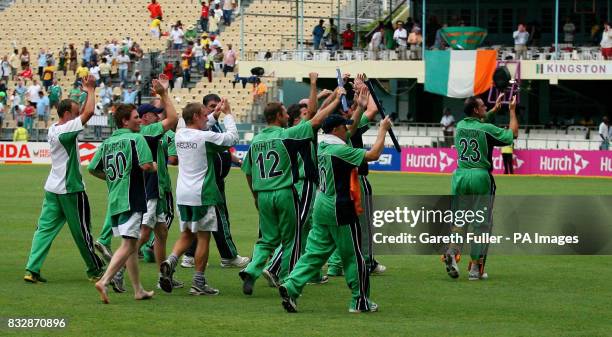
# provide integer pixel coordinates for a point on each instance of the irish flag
(459, 73)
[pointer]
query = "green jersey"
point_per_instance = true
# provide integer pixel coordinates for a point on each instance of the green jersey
(75, 95)
(475, 140)
(153, 134)
(55, 92)
(333, 204)
(169, 149)
(120, 157)
(272, 157)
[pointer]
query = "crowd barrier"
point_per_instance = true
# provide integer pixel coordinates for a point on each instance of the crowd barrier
(424, 160)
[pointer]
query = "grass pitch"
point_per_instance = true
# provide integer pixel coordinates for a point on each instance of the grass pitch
(525, 296)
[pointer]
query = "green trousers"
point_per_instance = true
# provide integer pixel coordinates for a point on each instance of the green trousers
(278, 221)
(307, 192)
(106, 235)
(58, 209)
(322, 241)
(472, 189)
(334, 264)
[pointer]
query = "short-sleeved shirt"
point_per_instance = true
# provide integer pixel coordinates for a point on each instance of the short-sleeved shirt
(196, 149)
(155, 24)
(120, 157)
(42, 105)
(475, 140)
(272, 157)
(48, 73)
(169, 149)
(55, 92)
(65, 176)
(336, 160)
(153, 134)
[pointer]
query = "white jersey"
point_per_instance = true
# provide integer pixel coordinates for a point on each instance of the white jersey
(65, 176)
(196, 185)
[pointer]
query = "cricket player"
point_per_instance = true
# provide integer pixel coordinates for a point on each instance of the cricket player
(305, 185)
(65, 198)
(472, 185)
(271, 168)
(197, 196)
(222, 162)
(121, 160)
(335, 220)
(355, 139)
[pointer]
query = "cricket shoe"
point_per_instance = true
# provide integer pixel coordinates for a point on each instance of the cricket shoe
(33, 277)
(117, 281)
(475, 274)
(322, 280)
(247, 282)
(272, 279)
(165, 281)
(288, 303)
(379, 269)
(97, 276)
(203, 289)
(106, 251)
(238, 262)
(188, 261)
(452, 269)
(373, 308)
(175, 284)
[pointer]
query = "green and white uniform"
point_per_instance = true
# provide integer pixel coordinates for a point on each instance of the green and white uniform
(472, 184)
(197, 193)
(272, 163)
(335, 224)
(65, 201)
(120, 157)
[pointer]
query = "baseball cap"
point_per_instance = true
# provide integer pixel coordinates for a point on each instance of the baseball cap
(143, 109)
(333, 121)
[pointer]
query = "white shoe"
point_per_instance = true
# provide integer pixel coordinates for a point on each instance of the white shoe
(272, 279)
(188, 262)
(380, 268)
(450, 262)
(373, 308)
(238, 262)
(475, 275)
(204, 289)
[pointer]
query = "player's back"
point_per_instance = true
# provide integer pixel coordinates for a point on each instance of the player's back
(65, 175)
(474, 141)
(272, 157)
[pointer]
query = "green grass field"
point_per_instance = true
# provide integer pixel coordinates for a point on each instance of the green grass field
(525, 295)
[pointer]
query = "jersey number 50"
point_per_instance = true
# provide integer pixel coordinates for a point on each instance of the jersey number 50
(115, 166)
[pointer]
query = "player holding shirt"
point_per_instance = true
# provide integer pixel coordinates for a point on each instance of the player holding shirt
(197, 196)
(65, 198)
(336, 223)
(472, 185)
(271, 168)
(121, 160)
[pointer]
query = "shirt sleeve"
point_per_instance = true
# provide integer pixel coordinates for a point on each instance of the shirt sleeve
(171, 145)
(500, 136)
(351, 155)
(96, 162)
(300, 131)
(142, 150)
(153, 130)
(247, 163)
(222, 141)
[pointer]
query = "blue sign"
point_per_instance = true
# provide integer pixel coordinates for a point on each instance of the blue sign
(389, 161)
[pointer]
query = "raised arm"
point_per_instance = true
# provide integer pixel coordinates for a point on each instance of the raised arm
(318, 119)
(89, 84)
(362, 97)
(514, 125)
(160, 87)
(230, 136)
(374, 153)
(329, 99)
(312, 99)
